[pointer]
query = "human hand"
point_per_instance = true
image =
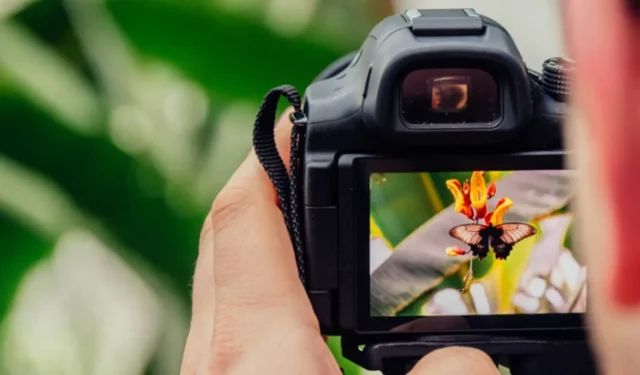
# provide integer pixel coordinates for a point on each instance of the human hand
(251, 314)
(604, 38)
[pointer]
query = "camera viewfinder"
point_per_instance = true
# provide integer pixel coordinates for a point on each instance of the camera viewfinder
(450, 96)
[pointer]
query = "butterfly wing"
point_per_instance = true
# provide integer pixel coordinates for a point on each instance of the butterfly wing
(513, 233)
(469, 233)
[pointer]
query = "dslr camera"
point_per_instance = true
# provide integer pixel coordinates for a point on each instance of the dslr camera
(430, 204)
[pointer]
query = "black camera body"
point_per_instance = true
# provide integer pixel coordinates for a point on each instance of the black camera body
(429, 91)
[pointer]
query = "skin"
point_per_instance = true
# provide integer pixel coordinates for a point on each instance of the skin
(251, 314)
(603, 37)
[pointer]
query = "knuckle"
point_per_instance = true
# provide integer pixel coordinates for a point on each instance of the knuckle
(224, 359)
(228, 344)
(230, 203)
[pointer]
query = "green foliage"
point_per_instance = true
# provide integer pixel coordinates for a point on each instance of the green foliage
(229, 55)
(400, 193)
(234, 58)
(102, 180)
(14, 264)
(145, 213)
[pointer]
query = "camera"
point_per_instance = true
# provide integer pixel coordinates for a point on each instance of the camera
(410, 145)
(434, 204)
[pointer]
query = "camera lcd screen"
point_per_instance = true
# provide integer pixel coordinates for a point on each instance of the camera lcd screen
(473, 243)
(450, 96)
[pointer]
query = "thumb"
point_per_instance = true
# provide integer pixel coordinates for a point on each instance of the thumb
(455, 360)
(254, 264)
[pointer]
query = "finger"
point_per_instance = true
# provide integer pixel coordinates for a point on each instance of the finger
(454, 361)
(608, 94)
(256, 278)
(603, 131)
(197, 348)
(254, 259)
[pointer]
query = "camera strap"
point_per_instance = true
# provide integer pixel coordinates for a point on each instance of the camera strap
(286, 183)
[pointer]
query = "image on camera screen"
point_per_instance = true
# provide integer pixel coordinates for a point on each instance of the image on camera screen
(473, 243)
(449, 94)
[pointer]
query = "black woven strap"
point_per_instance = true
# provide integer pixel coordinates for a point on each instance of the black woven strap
(285, 183)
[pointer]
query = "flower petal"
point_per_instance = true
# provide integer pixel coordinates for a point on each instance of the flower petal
(467, 211)
(491, 190)
(481, 213)
(455, 188)
(487, 218)
(501, 209)
(478, 190)
(455, 251)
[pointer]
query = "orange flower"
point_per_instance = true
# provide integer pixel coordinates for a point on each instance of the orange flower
(466, 189)
(455, 251)
(468, 212)
(481, 213)
(478, 190)
(503, 206)
(461, 198)
(487, 218)
(472, 195)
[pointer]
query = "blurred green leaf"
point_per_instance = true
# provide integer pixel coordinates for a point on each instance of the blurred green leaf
(232, 56)
(21, 250)
(400, 193)
(41, 74)
(482, 267)
(106, 182)
(568, 240)
(49, 21)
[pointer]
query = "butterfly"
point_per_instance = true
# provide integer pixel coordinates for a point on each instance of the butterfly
(501, 237)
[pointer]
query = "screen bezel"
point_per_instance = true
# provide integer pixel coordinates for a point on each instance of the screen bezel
(355, 171)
